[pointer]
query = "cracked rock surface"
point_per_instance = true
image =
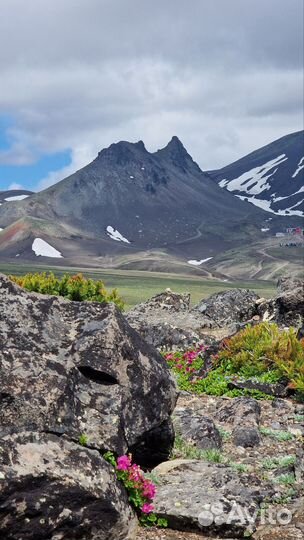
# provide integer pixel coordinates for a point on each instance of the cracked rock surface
(69, 369)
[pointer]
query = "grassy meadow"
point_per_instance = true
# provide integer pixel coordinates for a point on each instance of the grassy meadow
(138, 286)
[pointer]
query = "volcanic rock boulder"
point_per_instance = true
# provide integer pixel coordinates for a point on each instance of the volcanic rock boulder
(196, 429)
(287, 307)
(228, 307)
(69, 369)
(52, 488)
(167, 320)
(244, 413)
(212, 498)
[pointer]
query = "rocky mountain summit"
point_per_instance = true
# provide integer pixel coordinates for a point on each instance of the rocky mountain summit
(78, 379)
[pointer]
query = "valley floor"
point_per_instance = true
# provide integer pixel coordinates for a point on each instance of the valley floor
(138, 286)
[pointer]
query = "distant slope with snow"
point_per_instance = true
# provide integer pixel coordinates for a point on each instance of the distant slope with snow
(13, 195)
(271, 178)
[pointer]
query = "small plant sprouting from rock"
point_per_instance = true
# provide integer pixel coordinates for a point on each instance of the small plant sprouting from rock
(239, 467)
(141, 490)
(225, 434)
(83, 439)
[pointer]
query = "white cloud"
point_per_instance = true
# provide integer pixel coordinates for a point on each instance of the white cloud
(99, 71)
(14, 185)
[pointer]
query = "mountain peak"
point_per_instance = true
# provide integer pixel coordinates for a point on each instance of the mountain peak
(176, 153)
(122, 152)
(176, 146)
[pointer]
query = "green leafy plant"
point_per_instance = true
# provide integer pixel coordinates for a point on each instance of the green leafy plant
(141, 490)
(183, 449)
(83, 439)
(279, 435)
(76, 287)
(286, 479)
(278, 462)
(225, 434)
(239, 467)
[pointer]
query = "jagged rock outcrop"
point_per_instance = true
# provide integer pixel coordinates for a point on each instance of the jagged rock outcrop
(228, 307)
(287, 307)
(167, 320)
(66, 369)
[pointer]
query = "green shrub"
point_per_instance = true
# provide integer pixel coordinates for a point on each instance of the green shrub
(265, 348)
(262, 353)
(77, 287)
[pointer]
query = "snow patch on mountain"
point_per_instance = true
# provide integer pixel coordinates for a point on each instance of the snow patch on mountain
(254, 181)
(42, 248)
(198, 263)
(299, 168)
(266, 205)
(115, 235)
(16, 198)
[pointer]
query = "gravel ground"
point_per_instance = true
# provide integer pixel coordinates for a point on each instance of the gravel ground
(168, 534)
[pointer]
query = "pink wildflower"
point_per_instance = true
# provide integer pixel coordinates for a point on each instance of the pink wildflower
(147, 508)
(149, 490)
(123, 463)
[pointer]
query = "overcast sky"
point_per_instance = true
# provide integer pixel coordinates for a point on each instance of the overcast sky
(225, 76)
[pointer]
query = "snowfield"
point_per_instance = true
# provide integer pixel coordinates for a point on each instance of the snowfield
(254, 181)
(115, 235)
(300, 167)
(16, 198)
(198, 263)
(42, 248)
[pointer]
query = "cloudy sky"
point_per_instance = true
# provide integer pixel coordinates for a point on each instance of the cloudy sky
(226, 76)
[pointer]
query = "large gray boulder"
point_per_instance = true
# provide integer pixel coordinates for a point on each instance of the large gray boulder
(69, 369)
(287, 307)
(53, 488)
(244, 413)
(196, 429)
(212, 498)
(165, 321)
(228, 307)
(72, 368)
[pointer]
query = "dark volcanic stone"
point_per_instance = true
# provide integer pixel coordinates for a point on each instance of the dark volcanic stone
(53, 488)
(246, 436)
(228, 307)
(197, 429)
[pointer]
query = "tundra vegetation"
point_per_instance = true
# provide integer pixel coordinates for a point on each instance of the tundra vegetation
(262, 353)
